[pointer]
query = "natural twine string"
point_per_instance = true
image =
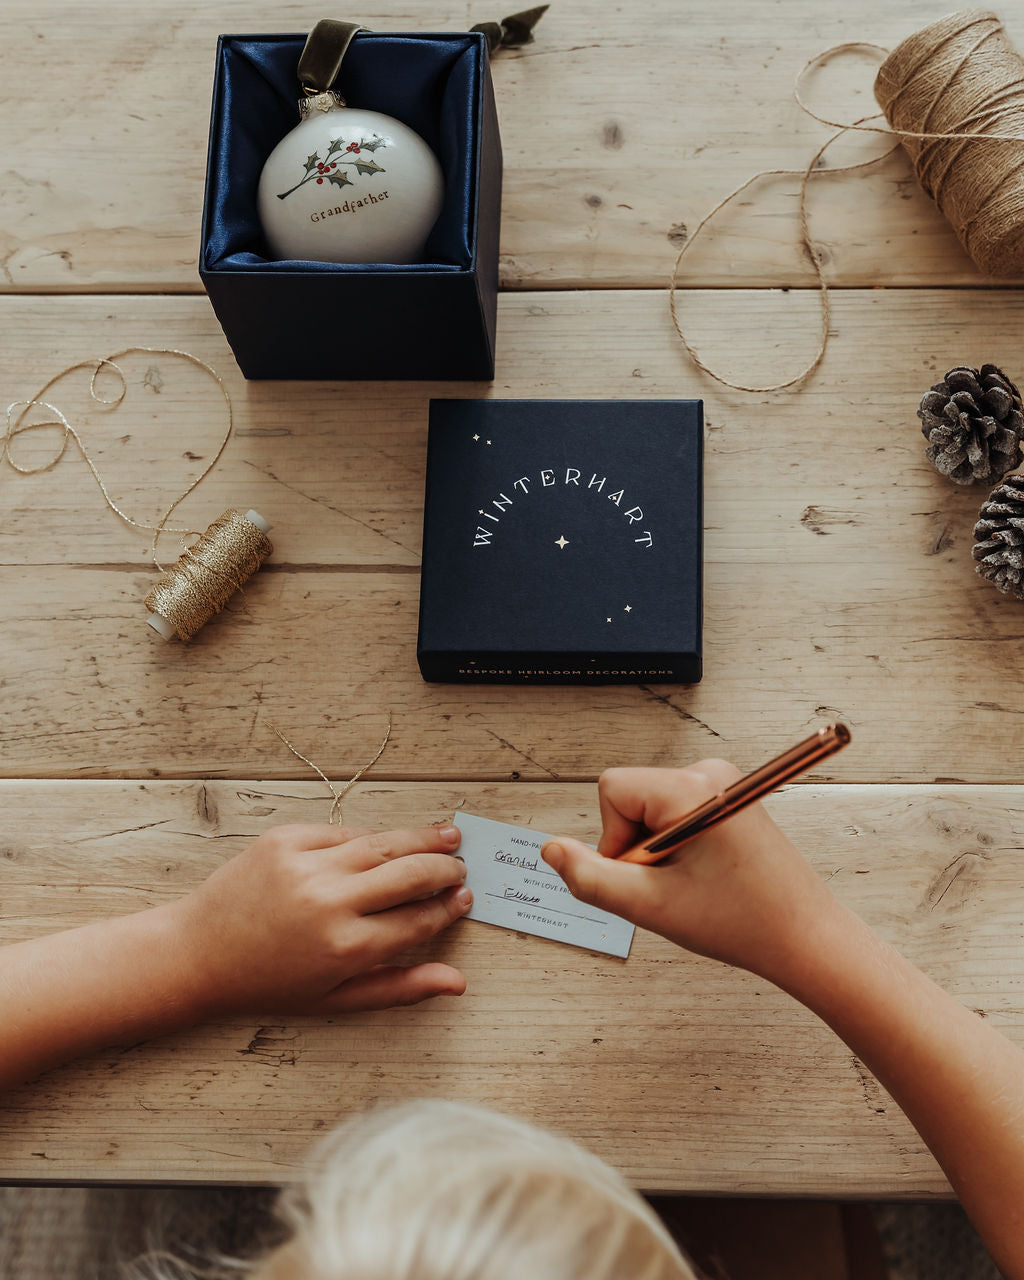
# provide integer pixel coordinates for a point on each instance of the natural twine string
(960, 75)
(955, 93)
(218, 564)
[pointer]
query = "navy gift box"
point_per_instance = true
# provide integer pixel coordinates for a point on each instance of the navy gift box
(562, 542)
(429, 320)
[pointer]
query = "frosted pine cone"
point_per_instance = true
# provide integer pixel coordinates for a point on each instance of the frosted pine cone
(999, 537)
(973, 420)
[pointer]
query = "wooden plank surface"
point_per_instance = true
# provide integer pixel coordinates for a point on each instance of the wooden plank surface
(839, 582)
(838, 571)
(621, 126)
(685, 1074)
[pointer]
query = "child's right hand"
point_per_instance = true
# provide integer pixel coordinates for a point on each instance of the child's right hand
(740, 893)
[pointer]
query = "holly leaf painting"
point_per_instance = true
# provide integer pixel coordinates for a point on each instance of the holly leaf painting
(372, 146)
(368, 166)
(340, 179)
(335, 144)
(312, 161)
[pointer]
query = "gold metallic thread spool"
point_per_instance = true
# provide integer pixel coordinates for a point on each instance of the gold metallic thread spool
(207, 574)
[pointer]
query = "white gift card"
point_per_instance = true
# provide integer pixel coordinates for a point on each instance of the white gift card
(514, 887)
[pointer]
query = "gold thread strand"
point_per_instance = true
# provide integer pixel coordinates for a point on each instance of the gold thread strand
(335, 814)
(16, 426)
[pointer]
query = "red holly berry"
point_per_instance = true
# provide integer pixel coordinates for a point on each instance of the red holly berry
(319, 182)
(320, 168)
(333, 164)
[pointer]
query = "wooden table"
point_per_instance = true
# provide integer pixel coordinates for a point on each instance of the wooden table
(839, 582)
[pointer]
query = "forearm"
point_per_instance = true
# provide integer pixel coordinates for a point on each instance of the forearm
(72, 993)
(958, 1080)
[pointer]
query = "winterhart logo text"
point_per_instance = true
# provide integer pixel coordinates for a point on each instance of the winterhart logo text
(548, 479)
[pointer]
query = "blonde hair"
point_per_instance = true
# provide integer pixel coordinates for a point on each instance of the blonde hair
(445, 1191)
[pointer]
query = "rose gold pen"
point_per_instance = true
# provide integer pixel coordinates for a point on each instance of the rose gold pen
(782, 769)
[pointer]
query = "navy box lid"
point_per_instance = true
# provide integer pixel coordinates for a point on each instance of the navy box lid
(562, 542)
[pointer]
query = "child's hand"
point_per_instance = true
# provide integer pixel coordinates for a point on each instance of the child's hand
(741, 893)
(306, 919)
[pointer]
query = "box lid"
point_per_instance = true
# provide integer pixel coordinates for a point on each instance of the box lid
(562, 532)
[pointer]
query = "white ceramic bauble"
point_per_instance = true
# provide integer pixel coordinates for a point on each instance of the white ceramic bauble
(348, 185)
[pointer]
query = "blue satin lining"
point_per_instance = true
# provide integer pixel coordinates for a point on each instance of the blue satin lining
(429, 82)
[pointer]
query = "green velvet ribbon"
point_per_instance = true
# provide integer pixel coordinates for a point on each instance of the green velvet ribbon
(512, 31)
(325, 48)
(328, 42)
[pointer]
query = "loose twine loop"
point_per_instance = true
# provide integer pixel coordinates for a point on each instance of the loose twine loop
(958, 82)
(221, 560)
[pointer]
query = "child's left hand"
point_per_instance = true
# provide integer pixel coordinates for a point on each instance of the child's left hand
(306, 919)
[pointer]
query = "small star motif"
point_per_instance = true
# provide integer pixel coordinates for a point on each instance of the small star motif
(480, 512)
(607, 619)
(476, 437)
(629, 608)
(562, 542)
(488, 442)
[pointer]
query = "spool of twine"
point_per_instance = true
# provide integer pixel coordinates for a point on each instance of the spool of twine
(953, 96)
(962, 77)
(208, 574)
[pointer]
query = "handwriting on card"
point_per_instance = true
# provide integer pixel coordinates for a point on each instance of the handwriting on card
(514, 888)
